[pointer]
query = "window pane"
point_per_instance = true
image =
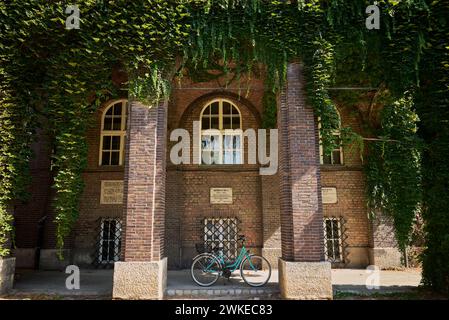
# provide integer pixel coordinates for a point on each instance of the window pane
(117, 123)
(109, 112)
(335, 229)
(237, 157)
(107, 123)
(215, 157)
(205, 143)
(228, 157)
(105, 230)
(336, 250)
(327, 159)
(236, 122)
(106, 143)
(205, 123)
(226, 108)
(214, 123)
(227, 142)
(210, 142)
(118, 109)
(115, 143)
(111, 234)
(215, 142)
(227, 123)
(115, 158)
(236, 142)
(206, 111)
(330, 249)
(336, 157)
(205, 157)
(210, 157)
(214, 108)
(104, 251)
(105, 158)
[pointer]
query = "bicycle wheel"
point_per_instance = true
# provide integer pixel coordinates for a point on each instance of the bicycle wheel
(255, 270)
(205, 270)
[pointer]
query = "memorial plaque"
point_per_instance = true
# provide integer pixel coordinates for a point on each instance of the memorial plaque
(221, 195)
(329, 195)
(111, 192)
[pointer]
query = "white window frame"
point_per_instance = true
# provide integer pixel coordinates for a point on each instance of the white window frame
(116, 241)
(333, 239)
(114, 133)
(335, 133)
(221, 132)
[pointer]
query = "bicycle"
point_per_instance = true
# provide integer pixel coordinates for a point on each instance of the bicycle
(207, 267)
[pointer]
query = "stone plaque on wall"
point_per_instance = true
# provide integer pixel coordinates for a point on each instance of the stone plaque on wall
(111, 192)
(329, 195)
(221, 195)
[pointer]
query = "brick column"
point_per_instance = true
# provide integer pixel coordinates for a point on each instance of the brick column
(143, 272)
(302, 270)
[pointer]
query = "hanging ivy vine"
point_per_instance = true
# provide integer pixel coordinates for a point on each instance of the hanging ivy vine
(48, 72)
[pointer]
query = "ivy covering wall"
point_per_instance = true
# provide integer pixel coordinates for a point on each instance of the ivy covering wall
(49, 72)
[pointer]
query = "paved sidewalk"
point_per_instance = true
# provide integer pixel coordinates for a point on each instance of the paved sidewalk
(92, 283)
(98, 284)
(355, 280)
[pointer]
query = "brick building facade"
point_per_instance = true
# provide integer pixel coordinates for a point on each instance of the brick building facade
(165, 209)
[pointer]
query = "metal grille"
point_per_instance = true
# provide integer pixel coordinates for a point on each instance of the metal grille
(335, 239)
(108, 244)
(221, 234)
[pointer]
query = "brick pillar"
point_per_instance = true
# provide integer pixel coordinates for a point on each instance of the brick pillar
(303, 274)
(143, 272)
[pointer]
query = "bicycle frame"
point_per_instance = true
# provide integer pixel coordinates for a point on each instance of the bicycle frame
(232, 266)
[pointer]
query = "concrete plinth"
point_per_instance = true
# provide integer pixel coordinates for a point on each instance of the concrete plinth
(7, 269)
(305, 280)
(140, 280)
(386, 258)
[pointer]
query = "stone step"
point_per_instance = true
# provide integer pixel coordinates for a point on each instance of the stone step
(211, 293)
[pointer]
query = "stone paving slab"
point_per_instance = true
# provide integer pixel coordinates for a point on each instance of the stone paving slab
(92, 283)
(355, 280)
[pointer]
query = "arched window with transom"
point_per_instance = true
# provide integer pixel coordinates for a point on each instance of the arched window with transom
(113, 132)
(221, 133)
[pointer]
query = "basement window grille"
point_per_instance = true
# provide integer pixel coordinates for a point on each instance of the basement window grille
(108, 242)
(333, 240)
(221, 234)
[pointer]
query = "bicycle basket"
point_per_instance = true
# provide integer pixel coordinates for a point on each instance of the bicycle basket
(201, 248)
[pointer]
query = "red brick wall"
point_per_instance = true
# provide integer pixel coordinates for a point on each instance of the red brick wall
(188, 186)
(256, 198)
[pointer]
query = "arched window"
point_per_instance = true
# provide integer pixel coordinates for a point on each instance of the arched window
(336, 157)
(221, 133)
(113, 131)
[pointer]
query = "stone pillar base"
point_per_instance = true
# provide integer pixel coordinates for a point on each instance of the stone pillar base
(140, 280)
(386, 258)
(7, 270)
(305, 280)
